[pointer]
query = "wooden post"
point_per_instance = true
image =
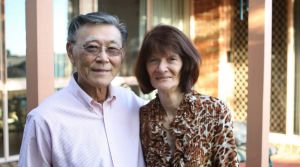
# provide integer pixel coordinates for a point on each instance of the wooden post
(39, 53)
(259, 53)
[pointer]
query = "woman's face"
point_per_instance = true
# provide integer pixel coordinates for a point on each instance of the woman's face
(164, 71)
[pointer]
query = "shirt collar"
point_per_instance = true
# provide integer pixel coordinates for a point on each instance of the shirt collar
(86, 99)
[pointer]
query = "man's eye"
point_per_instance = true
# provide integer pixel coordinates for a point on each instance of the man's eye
(91, 48)
(112, 49)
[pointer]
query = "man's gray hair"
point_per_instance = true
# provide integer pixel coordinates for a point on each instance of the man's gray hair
(96, 18)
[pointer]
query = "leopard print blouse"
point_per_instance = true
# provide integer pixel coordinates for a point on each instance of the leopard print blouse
(202, 131)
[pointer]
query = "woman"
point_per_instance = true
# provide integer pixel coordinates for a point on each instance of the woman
(180, 127)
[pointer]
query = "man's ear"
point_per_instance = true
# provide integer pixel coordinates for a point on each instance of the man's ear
(123, 54)
(69, 48)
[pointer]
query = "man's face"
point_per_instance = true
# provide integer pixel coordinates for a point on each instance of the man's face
(97, 55)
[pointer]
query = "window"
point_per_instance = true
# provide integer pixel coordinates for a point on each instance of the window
(13, 81)
(13, 68)
(172, 12)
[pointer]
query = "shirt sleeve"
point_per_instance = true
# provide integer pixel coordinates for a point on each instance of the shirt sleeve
(225, 150)
(140, 101)
(141, 162)
(36, 146)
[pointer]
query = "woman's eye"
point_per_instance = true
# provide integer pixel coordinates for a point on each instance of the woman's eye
(172, 59)
(152, 60)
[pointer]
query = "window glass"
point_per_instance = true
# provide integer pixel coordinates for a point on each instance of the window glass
(16, 119)
(15, 38)
(172, 12)
(15, 70)
(63, 11)
(60, 23)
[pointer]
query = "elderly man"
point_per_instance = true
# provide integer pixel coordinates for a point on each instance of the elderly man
(90, 123)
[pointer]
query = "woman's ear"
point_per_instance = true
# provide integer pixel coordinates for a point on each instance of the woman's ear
(69, 48)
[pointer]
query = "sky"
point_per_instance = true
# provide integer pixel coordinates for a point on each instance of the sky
(15, 31)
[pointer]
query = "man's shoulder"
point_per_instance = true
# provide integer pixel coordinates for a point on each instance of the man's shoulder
(151, 105)
(59, 98)
(123, 92)
(126, 94)
(120, 89)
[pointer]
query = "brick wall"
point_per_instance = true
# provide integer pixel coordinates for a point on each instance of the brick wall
(207, 32)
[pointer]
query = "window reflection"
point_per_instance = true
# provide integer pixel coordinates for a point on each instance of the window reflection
(16, 66)
(15, 38)
(172, 12)
(63, 11)
(16, 119)
(62, 66)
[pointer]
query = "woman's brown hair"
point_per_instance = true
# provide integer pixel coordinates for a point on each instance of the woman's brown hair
(163, 39)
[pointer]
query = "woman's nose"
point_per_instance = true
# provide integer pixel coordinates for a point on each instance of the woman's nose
(162, 66)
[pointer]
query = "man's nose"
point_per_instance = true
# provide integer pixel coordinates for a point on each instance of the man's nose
(102, 55)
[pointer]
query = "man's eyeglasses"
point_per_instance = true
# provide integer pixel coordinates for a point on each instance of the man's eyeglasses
(95, 50)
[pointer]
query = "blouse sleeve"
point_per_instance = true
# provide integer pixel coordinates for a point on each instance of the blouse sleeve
(225, 150)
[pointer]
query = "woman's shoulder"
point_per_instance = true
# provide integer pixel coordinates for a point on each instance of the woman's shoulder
(151, 110)
(197, 97)
(152, 103)
(206, 99)
(209, 103)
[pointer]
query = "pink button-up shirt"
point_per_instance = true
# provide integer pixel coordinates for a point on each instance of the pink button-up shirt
(70, 129)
